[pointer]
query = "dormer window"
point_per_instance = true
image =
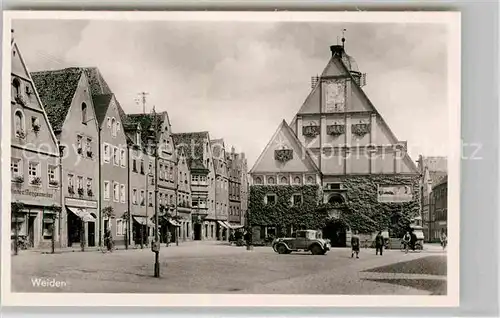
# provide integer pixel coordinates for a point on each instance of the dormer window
(113, 127)
(17, 87)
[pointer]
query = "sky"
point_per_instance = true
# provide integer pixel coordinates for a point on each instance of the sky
(239, 80)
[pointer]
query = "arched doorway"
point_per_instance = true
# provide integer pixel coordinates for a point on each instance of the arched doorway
(335, 229)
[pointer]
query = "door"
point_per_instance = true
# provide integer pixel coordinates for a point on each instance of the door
(91, 233)
(301, 241)
(31, 231)
(197, 231)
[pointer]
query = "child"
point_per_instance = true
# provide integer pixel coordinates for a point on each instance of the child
(355, 245)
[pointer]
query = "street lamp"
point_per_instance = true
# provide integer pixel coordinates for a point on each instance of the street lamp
(153, 138)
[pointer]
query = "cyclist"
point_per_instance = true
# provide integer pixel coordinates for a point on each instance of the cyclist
(406, 241)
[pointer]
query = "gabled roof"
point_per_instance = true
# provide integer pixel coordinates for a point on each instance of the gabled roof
(193, 145)
(145, 121)
(295, 140)
(101, 105)
(56, 90)
(437, 164)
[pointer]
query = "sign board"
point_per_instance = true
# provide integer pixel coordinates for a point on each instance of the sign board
(155, 246)
(80, 203)
(394, 193)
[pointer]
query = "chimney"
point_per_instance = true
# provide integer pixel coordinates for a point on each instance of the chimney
(337, 50)
(232, 150)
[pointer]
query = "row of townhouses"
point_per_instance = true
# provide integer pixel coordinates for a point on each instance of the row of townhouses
(80, 164)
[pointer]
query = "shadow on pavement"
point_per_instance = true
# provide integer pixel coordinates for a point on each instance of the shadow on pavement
(437, 287)
(430, 265)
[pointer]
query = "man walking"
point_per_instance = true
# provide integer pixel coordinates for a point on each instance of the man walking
(406, 241)
(379, 243)
(355, 245)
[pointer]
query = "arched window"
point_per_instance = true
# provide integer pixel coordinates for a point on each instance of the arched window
(284, 180)
(19, 123)
(270, 180)
(17, 87)
(113, 127)
(296, 180)
(258, 180)
(84, 113)
(310, 180)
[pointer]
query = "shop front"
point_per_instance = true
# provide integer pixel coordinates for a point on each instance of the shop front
(141, 229)
(82, 222)
(34, 217)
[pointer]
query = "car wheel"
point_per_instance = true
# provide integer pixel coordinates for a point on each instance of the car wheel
(317, 250)
(282, 249)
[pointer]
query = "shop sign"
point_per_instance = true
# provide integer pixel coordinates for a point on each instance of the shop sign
(31, 193)
(80, 203)
(394, 193)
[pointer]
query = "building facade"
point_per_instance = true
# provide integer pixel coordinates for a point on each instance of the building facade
(438, 212)
(67, 99)
(196, 147)
(244, 189)
(184, 197)
(432, 170)
(339, 142)
(35, 163)
(221, 188)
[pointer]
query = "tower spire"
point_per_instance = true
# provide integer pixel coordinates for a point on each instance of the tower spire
(343, 37)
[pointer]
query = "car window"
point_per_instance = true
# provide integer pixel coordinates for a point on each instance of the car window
(301, 234)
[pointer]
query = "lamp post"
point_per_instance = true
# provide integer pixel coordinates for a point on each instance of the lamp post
(153, 136)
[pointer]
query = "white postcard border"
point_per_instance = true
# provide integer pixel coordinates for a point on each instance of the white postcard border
(451, 19)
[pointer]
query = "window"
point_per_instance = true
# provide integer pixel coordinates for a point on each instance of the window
(296, 180)
(150, 168)
(310, 180)
(89, 187)
(84, 114)
(119, 227)
(106, 190)
(134, 165)
(161, 172)
(107, 153)
(171, 200)
(117, 126)
(122, 157)
(258, 180)
(122, 193)
(150, 198)
(71, 180)
(79, 182)
(109, 122)
(89, 147)
(142, 198)
(283, 180)
(116, 157)
(142, 166)
(270, 199)
(52, 174)
(113, 127)
(79, 144)
(33, 171)
(271, 180)
(116, 192)
(171, 174)
(296, 199)
(134, 196)
(161, 199)
(138, 137)
(19, 123)
(35, 124)
(17, 87)
(16, 168)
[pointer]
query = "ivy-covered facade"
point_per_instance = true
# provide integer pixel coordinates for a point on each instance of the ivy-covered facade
(340, 156)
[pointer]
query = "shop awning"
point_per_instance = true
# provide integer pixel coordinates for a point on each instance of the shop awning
(223, 224)
(235, 226)
(173, 222)
(143, 220)
(82, 213)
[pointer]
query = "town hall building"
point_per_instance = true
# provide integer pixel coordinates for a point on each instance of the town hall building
(339, 151)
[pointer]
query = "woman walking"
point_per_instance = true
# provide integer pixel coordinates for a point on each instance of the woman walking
(355, 245)
(444, 239)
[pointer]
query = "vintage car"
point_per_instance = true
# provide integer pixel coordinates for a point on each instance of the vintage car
(303, 240)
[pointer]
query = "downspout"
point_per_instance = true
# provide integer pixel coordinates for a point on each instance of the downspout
(99, 207)
(61, 197)
(129, 215)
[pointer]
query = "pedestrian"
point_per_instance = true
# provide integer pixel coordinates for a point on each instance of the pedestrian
(443, 238)
(406, 241)
(379, 243)
(413, 240)
(355, 245)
